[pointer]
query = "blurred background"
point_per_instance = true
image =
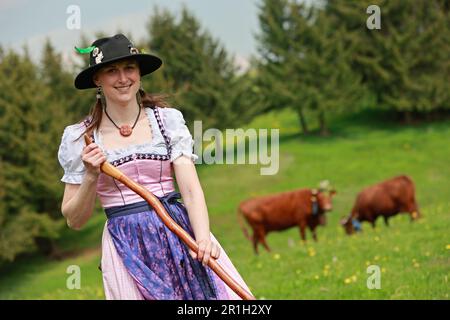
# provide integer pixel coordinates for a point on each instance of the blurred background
(358, 98)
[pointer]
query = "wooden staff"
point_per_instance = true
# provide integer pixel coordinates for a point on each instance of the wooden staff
(115, 173)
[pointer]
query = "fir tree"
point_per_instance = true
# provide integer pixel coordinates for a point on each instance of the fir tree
(30, 190)
(405, 63)
(197, 69)
(305, 64)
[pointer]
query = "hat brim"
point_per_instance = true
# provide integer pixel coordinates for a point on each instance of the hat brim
(147, 64)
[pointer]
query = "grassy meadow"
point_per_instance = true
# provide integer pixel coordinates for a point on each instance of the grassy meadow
(414, 258)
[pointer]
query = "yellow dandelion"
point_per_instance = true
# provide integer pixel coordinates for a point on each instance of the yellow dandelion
(347, 280)
(376, 258)
(377, 238)
(316, 277)
(327, 266)
(276, 256)
(383, 270)
(447, 247)
(354, 278)
(367, 263)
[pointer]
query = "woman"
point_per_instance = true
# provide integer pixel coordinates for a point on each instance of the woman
(141, 257)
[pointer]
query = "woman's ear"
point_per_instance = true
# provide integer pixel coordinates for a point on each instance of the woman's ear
(95, 79)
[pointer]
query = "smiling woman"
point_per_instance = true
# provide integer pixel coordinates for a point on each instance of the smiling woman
(120, 82)
(149, 142)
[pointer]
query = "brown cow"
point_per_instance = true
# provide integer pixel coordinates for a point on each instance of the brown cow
(386, 199)
(302, 208)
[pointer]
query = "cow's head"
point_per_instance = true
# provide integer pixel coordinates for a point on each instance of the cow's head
(351, 225)
(415, 215)
(322, 200)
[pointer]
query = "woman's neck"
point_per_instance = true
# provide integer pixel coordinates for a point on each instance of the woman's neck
(123, 113)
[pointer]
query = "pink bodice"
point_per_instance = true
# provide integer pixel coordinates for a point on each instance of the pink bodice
(154, 175)
(152, 170)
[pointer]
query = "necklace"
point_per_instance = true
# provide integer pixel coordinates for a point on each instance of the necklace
(125, 129)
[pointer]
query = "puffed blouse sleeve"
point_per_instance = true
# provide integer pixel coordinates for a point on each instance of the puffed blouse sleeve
(180, 138)
(69, 154)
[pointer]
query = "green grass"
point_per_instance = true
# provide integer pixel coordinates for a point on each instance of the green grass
(363, 149)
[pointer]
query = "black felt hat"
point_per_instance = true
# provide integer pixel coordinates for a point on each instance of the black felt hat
(107, 50)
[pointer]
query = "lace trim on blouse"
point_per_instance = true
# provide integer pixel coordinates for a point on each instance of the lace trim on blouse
(135, 151)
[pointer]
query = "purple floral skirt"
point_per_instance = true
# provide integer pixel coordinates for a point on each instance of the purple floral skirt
(157, 260)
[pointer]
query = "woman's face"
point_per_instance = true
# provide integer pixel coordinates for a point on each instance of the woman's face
(120, 81)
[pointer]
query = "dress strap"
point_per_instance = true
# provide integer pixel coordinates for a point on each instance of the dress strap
(162, 130)
(86, 123)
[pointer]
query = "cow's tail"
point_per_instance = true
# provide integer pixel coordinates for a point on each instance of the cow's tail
(240, 217)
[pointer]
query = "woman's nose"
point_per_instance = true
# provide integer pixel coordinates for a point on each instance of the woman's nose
(122, 76)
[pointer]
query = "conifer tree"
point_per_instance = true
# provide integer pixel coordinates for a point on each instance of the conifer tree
(405, 63)
(305, 64)
(198, 70)
(30, 190)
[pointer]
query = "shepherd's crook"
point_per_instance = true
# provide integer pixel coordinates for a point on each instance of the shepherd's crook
(115, 173)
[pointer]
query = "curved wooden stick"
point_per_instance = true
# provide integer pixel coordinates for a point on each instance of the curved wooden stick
(112, 171)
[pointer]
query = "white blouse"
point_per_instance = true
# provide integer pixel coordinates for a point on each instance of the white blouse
(69, 153)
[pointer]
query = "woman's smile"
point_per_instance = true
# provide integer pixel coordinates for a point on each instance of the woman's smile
(123, 89)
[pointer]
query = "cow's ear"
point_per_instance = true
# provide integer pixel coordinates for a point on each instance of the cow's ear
(333, 192)
(315, 192)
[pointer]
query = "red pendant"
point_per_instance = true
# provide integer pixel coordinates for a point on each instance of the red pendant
(125, 130)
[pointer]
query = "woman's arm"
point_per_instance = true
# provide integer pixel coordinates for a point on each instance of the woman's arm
(194, 200)
(79, 199)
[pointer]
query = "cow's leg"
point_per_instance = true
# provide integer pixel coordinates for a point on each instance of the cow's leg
(262, 238)
(315, 235)
(302, 228)
(386, 220)
(255, 241)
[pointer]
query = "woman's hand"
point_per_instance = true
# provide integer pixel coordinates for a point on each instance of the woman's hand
(206, 250)
(93, 158)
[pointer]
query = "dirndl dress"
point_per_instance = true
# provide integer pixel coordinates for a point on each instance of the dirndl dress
(141, 258)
